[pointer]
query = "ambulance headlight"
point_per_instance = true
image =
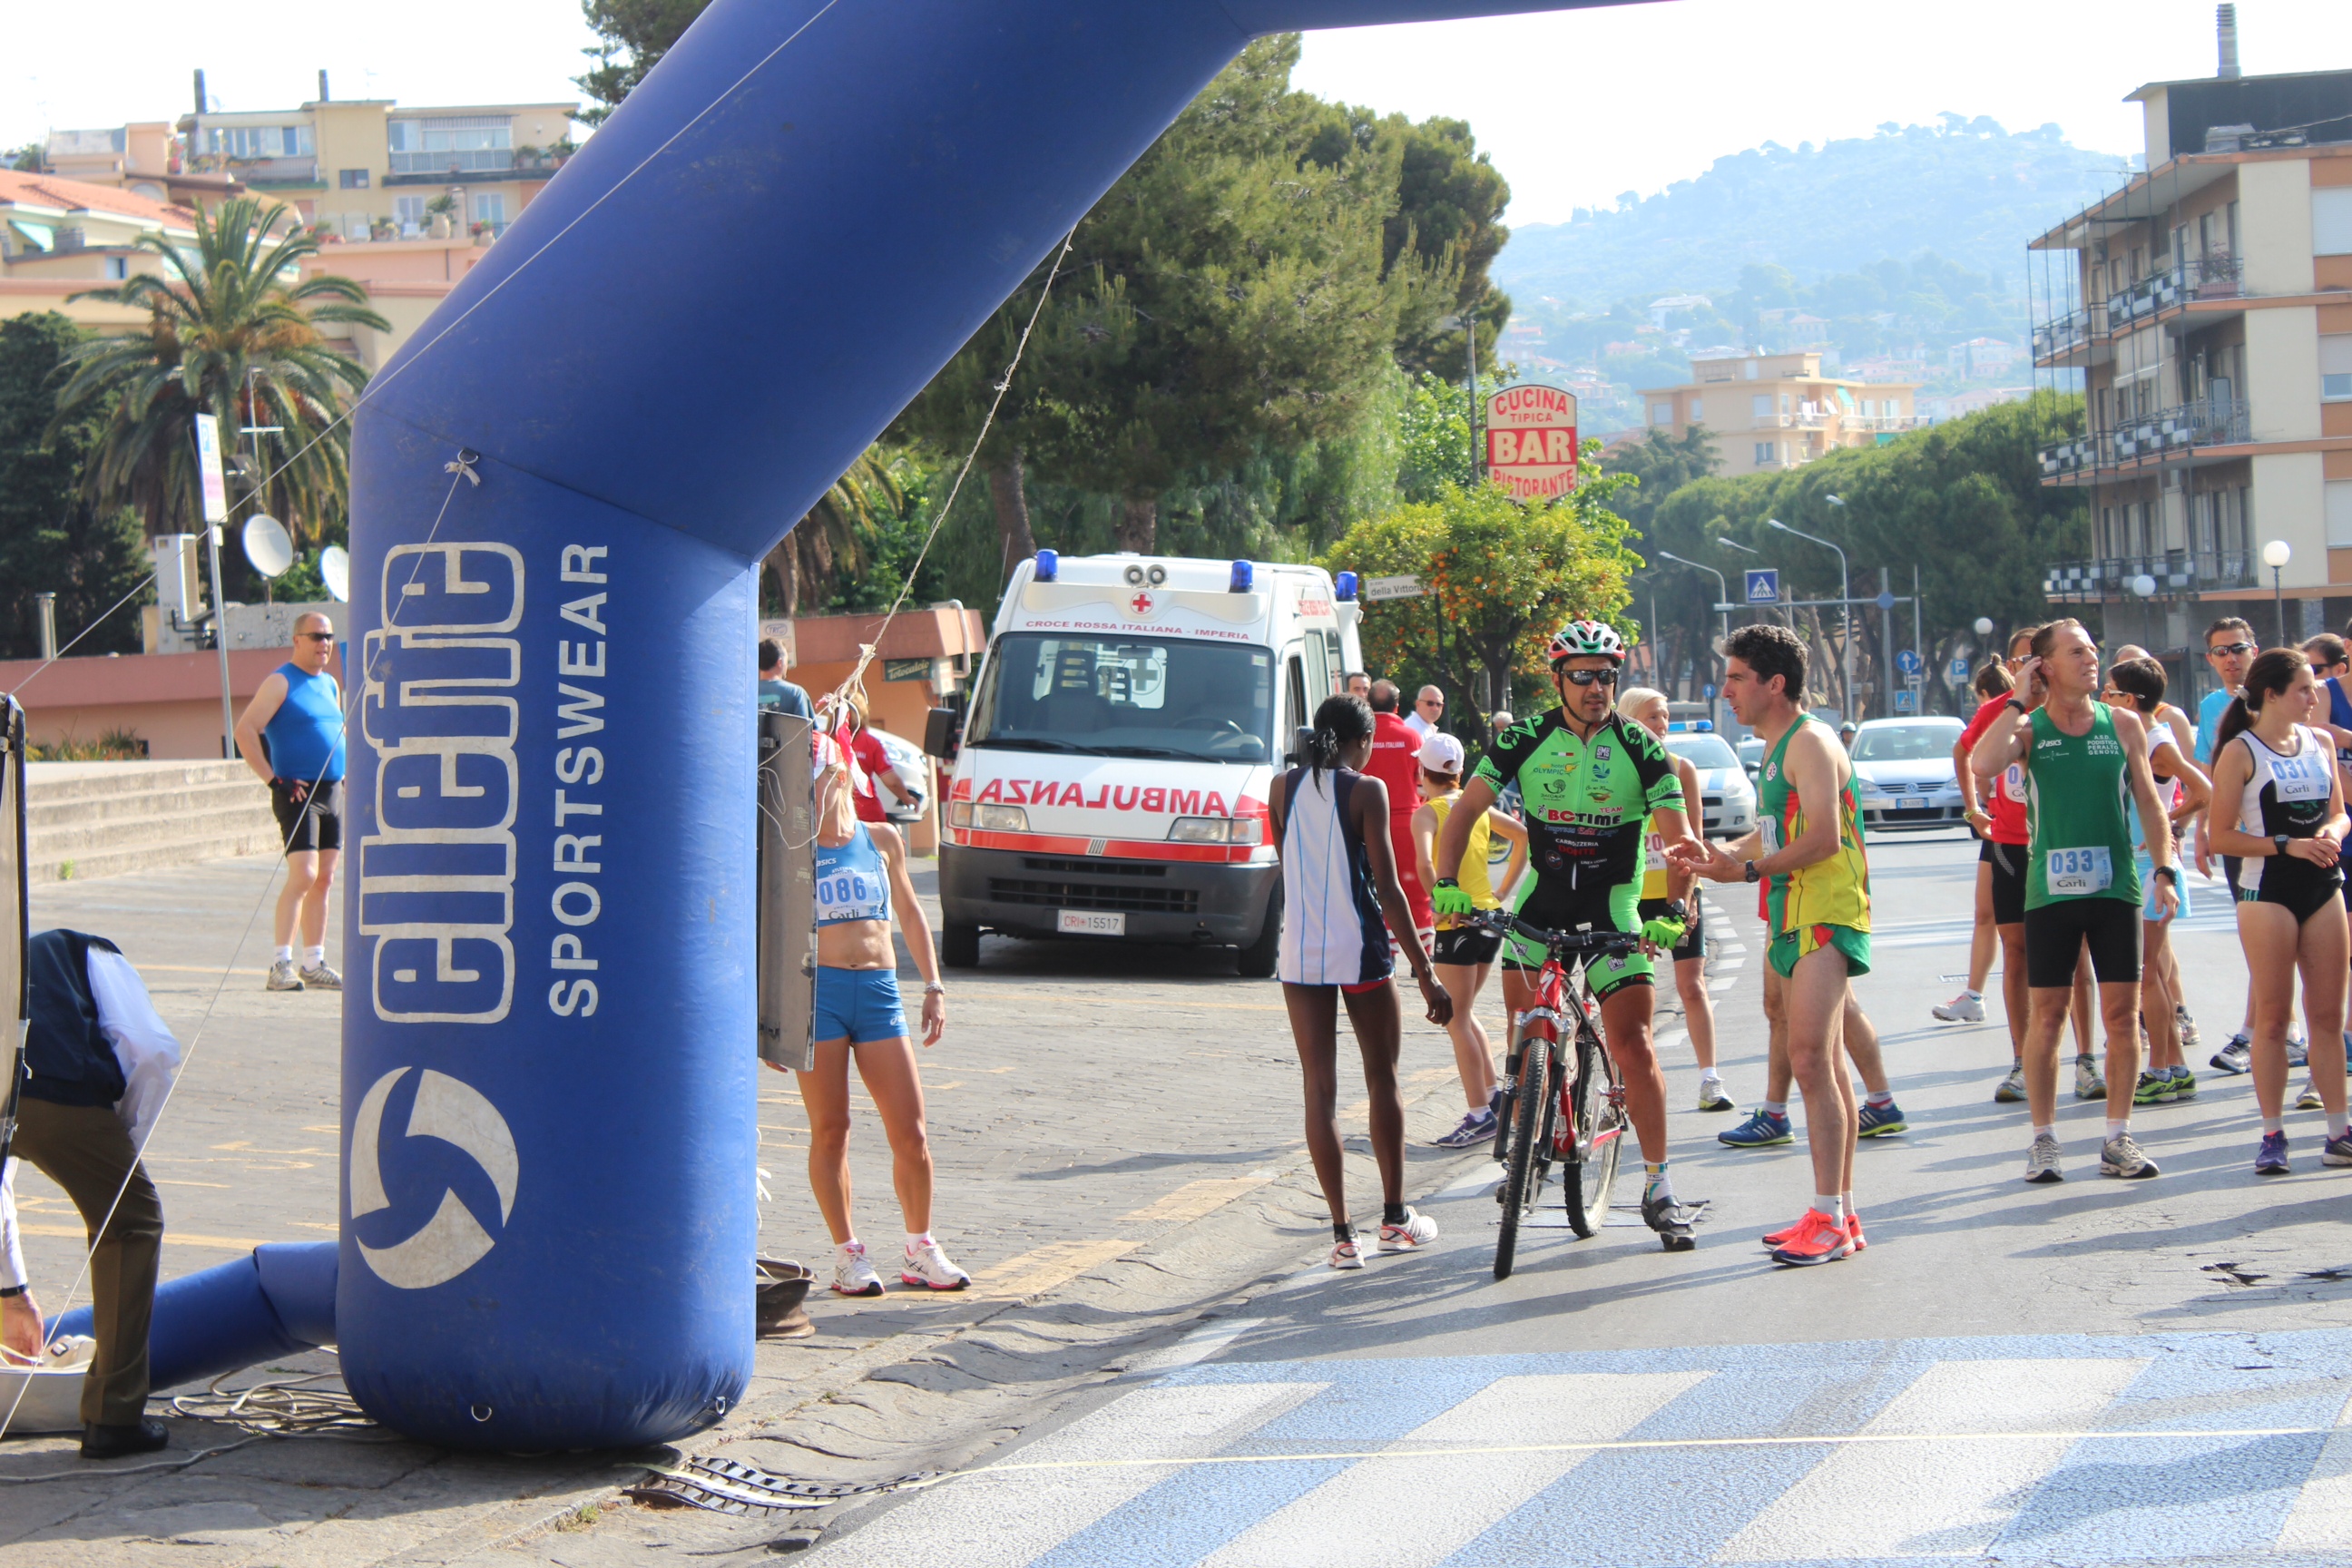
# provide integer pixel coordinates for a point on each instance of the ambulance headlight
(989, 818)
(1217, 830)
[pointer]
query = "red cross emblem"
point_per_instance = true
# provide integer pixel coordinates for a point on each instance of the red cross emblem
(1140, 603)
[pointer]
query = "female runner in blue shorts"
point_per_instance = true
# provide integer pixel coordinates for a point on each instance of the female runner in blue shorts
(861, 873)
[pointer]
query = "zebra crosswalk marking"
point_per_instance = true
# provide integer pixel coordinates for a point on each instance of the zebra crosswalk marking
(1950, 1494)
(1347, 1522)
(2322, 1519)
(1008, 1520)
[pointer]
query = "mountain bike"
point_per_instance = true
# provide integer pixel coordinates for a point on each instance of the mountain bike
(1562, 1102)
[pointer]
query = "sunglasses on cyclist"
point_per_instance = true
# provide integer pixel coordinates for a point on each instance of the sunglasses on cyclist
(2231, 648)
(1589, 676)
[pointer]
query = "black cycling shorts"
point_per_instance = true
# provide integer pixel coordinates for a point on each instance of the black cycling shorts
(1467, 945)
(2054, 935)
(316, 822)
(2008, 863)
(1693, 941)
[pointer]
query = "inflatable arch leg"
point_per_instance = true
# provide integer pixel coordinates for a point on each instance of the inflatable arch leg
(560, 491)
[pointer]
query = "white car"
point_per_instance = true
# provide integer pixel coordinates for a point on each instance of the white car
(1903, 774)
(1726, 800)
(912, 771)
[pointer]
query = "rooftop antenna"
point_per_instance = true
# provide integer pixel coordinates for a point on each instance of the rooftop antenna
(2225, 24)
(200, 89)
(322, 84)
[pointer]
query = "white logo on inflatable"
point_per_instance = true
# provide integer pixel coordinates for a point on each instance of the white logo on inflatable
(452, 1240)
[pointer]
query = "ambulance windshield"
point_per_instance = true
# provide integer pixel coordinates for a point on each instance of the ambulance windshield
(1121, 698)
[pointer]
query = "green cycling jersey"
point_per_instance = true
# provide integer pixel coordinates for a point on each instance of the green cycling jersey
(1587, 800)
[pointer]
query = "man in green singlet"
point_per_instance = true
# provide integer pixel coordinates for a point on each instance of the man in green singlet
(1589, 781)
(2084, 764)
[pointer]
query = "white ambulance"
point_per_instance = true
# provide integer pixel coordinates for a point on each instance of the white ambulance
(1130, 716)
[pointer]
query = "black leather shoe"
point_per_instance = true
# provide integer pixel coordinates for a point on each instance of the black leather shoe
(113, 1442)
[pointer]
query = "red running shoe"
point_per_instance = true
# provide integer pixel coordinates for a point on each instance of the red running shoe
(1853, 1230)
(1818, 1239)
(1776, 1239)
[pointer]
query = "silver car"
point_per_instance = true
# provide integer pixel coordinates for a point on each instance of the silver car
(910, 768)
(1726, 800)
(1903, 774)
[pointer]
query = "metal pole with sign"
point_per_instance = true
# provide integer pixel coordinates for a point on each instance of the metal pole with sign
(785, 935)
(215, 488)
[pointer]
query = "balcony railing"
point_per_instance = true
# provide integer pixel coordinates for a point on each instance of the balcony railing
(485, 161)
(2070, 331)
(2157, 292)
(2170, 572)
(2173, 432)
(1859, 422)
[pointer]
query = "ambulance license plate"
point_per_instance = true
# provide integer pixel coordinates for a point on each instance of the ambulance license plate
(1094, 922)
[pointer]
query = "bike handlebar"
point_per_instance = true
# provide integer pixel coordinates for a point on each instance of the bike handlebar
(1559, 941)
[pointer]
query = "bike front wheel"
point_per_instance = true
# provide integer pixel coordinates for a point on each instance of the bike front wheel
(1522, 1174)
(1600, 1139)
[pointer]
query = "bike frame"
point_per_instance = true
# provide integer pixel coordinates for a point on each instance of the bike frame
(1552, 1019)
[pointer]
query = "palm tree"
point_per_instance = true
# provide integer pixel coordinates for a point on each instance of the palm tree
(836, 538)
(227, 333)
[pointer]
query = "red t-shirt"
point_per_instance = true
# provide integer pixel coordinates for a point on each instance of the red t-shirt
(2009, 789)
(873, 761)
(1396, 762)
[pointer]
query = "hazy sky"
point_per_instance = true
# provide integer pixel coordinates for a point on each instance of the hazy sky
(1575, 106)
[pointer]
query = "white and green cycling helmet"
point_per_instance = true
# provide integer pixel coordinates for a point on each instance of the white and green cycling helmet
(1586, 639)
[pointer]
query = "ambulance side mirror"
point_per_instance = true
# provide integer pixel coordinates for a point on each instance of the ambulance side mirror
(1300, 739)
(943, 733)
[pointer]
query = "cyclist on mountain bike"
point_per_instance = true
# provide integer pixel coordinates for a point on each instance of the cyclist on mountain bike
(1591, 783)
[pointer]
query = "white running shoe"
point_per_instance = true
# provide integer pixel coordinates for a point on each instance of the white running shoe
(928, 1264)
(2236, 1056)
(2121, 1156)
(2187, 1027)
(282, 977)
(1347, 1255)
(2088, 1084)
(2042, 1160)
(2298, 1048)
(853, 1275)
(1418, 1230)
(2011, 1088)
(320, 976)
(1961, 1009)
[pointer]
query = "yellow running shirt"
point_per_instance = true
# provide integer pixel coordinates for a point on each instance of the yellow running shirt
(1471, 875)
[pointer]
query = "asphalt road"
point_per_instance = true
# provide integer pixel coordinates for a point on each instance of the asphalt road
(2091, 1372)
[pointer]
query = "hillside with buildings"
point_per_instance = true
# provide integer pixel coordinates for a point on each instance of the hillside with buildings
(1898, 257)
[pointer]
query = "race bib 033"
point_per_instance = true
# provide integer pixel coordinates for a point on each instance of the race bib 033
(2073, 873)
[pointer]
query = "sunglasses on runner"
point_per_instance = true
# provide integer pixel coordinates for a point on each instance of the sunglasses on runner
(1589, 676)
(317, 636)
(2231, 648)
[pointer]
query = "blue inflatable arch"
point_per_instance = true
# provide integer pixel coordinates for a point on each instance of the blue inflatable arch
(561, 492)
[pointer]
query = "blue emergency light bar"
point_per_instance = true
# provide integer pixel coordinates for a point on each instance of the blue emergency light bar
(1242, 577)
(1048, 563)
(1343, 587)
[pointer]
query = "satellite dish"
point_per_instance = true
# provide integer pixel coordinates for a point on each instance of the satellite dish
(267, 546)
(335, 566)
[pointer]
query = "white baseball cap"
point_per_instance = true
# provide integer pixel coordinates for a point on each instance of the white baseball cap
(1441, 755)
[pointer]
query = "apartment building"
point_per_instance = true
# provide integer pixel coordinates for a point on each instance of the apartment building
(2206, 307)
(60, 237)
(1778, 411)
(370, 169)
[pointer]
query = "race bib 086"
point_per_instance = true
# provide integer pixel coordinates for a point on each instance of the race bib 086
(2072, 873)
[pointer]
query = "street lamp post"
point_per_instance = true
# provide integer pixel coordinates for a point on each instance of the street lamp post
(1845, 595)
(1722, 588)
(2275, 556)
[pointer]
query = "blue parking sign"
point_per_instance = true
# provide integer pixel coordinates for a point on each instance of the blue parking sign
(1764, 586)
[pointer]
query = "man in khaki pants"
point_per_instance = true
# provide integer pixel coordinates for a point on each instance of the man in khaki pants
(99, 1064)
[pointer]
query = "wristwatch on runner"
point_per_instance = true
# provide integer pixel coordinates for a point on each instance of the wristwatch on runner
(1752, 874)
(2169, 873)
(2279, 841)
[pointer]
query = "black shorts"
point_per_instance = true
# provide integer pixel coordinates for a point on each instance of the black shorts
(2231, 868)
(2300, 887)
(314, 823)
(1468, 946)
(1693, 941)
(2054, 935)
(2008, 863)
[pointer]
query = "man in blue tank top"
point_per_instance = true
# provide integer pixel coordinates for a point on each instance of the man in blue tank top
(292, 735)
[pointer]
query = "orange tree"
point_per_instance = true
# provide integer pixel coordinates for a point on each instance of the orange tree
(1498, 575)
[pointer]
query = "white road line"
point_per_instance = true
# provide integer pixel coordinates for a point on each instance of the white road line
(2322, 1519)
(1938, 1499)
(1197, 1346)
(1352, 1519)
(1009, 1520)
